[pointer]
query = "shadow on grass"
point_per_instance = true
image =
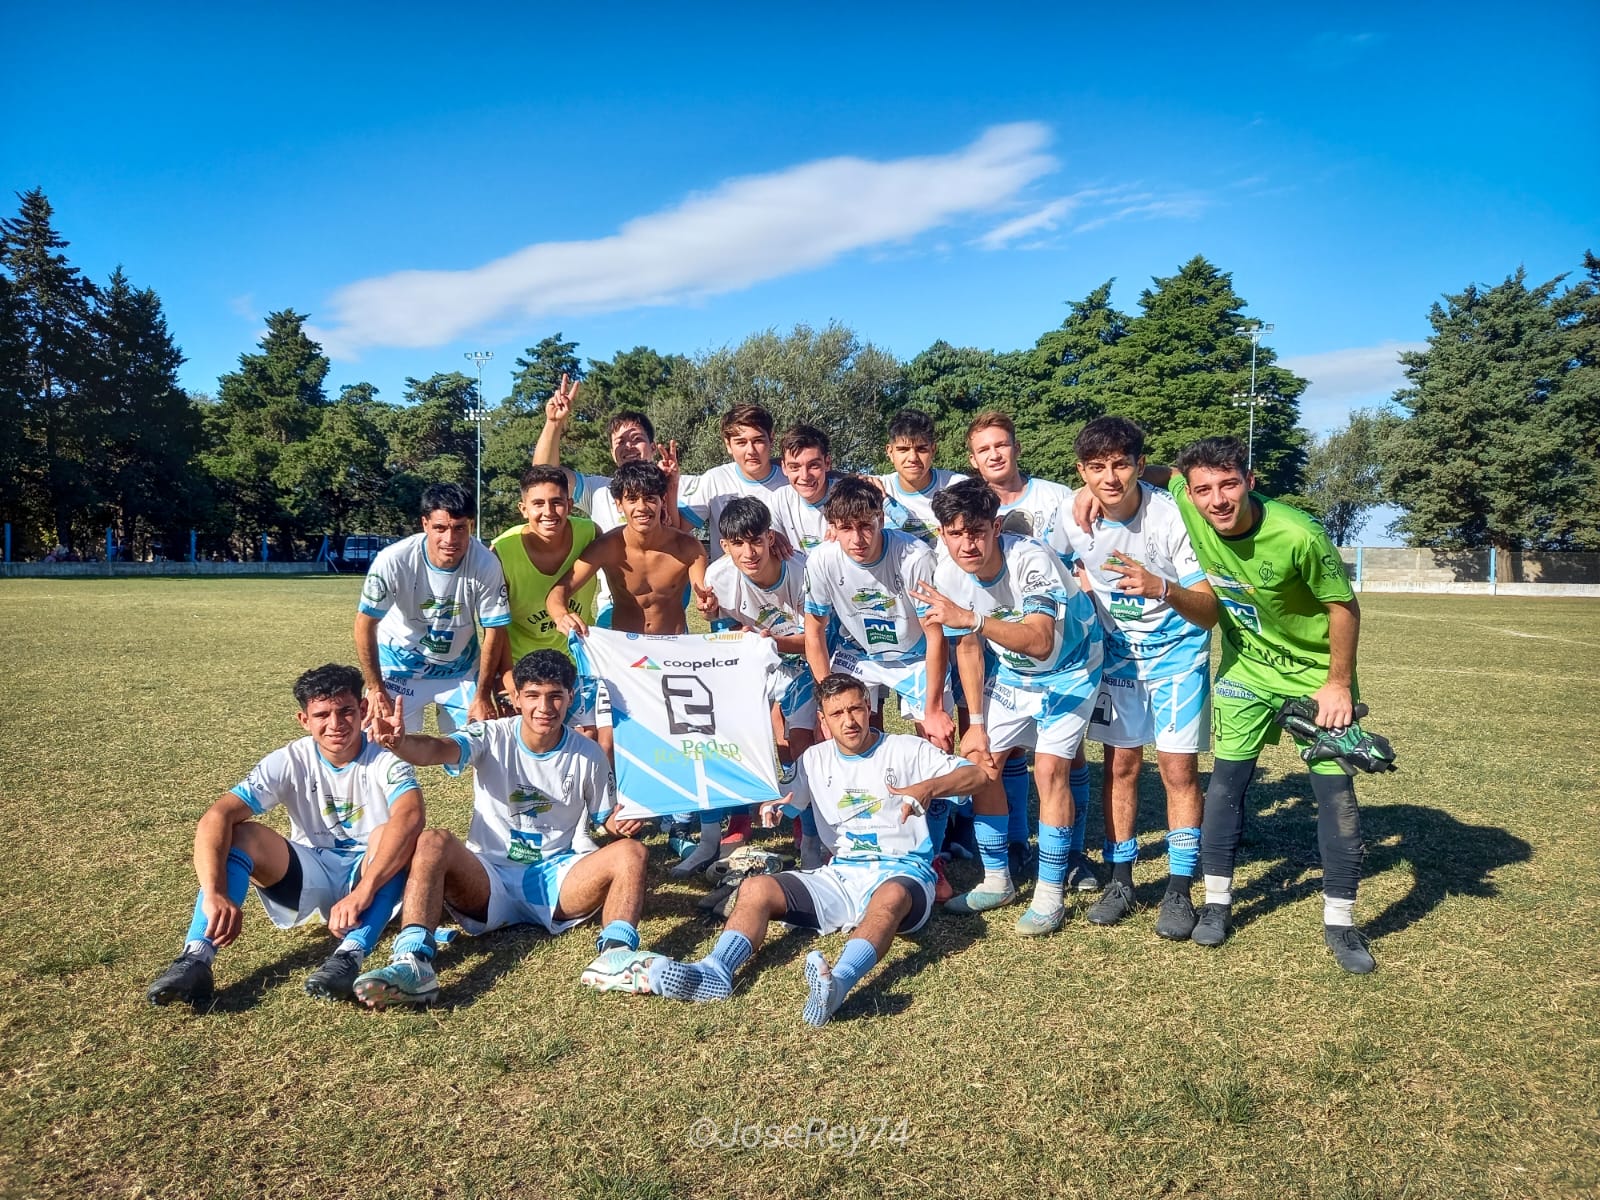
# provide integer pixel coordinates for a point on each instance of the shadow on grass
(943, 936)
(246, 993)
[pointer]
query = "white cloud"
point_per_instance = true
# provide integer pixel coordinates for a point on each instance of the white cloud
(1046, 219)
(738, 234)
(1344, 380)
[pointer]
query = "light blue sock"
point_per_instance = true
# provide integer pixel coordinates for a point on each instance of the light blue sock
(240, 865)
(991, 833)
(1183, 851)
(1122, 852)
(731, 951)
(938, 821)
(617, 933)
(1078, 781)
(384, 905)
(1054, 842)
(855, 960)
(1015, 781)
(413, 939)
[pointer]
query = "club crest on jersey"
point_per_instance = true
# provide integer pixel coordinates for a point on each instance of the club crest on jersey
(872, 600)
(530, 802)
(435, 608)
(374, 589)
(1221, 579)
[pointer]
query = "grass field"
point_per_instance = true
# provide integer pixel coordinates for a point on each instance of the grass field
(1096, 1063)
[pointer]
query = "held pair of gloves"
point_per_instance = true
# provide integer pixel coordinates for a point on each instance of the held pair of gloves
(1352, 748)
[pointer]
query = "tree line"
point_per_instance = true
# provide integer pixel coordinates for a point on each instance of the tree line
(1492, 441)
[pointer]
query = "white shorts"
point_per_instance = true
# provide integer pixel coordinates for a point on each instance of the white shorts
(793, 690)
(908, 680)
(1173, 714)
(326, 877)
(839, 894)
(1041, 716)
(452, 696)
(524, 895)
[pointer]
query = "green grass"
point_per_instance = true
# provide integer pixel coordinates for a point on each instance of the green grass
(1098, 1062)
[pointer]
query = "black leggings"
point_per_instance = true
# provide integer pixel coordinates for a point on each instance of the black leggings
(1338, 826)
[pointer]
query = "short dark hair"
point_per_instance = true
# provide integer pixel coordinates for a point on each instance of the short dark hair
(1105, 436)
(544, 666)
(972, 501)
(638, 478)
(911, 425)
(804, 437)
(451, 497)
(836, 684)
(992, 419)
(630, 416)
(744, 520)
(1215, 454)
(752, 415)
(536, 475)
(326, 682)
(852, 498)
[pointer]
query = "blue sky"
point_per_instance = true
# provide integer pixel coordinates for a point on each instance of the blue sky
(425, 182)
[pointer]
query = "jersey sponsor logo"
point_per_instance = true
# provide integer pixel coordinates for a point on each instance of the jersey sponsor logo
(436, 609)
(872, 600)
(399, 771)
(1127, 608)
(1333, 564)
(1036, 581)
(855, 804)
(880, 632)
(343, 810)
(530, 802)
(645, 664)
(860, 843)
(525, 846)
(374, 589)
(1233, 691)
(1218, 578)
(1244, 614)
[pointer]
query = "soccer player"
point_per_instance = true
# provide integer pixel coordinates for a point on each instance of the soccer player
(870, 791)
(1041, 509)
(909, 488)
(805, 454)
(648, 564)
(1156, 610)
(354, 815)
(747, 436)
(416, 624)
(528, 857)
(1017, 601)
(1290, 624)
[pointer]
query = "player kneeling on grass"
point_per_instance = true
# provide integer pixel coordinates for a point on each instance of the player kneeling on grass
(528, 858)
(870, 792)
(354, 815)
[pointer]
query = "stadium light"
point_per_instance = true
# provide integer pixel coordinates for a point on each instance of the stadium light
(1254, 330)
(478, 415)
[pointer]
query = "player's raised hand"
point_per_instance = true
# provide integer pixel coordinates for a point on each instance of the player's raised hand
(915, 803)
(387, 730)
(1086, 510)
(943, 609)
(572, 625)
(559, 406)
(379, 704)
(772, 812)
(1134, 577)
(668, 454)
(705, 600)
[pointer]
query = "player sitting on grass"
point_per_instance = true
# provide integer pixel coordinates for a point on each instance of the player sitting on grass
(1011, 597)
(1157, 611)
(354, 815)
(750, 587)
(870, 791)
(528, 857)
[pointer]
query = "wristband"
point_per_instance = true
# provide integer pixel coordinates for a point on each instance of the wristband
(1163, 590)
(975, 719)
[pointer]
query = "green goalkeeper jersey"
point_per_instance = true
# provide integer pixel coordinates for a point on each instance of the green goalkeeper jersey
(1274, 585)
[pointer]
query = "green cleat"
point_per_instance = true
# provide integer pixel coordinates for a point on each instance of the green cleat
(409, 979)
(977, 901)
(620, 970)
(1038, 924)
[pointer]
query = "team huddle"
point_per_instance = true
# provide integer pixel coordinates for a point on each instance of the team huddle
(1007, 614)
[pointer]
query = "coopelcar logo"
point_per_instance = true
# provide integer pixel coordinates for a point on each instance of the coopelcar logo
(644, 664)
(698, 664)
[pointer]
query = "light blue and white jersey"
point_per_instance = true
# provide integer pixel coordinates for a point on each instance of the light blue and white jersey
(778, 610)
(1145, 638)
(329, 807)
(701, 498)
(912, 512)
(429, 616)
(798, 519)
(528, 807)
(871, 602)
(1043, 511)
(1032, 579)
(592, 494)
(858, 817)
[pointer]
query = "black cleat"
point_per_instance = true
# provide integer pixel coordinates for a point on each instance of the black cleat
(1349, 946)
(1022, 862)
(1176, 920)
(188, 981)
(335, 979)
(1080, 873)
(1115, 903)
(1212, 924)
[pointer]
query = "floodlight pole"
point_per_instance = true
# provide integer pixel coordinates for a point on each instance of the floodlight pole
(478, 416)
(1254, 330)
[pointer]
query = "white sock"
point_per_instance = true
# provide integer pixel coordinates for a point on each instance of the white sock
(200, 948)
(352, 944)
(1046, 897)
(996, 880)
(1338, 912)
(1219, 889)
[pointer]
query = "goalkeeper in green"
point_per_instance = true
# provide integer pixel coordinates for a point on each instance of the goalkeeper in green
(1289, 624)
